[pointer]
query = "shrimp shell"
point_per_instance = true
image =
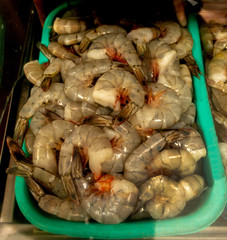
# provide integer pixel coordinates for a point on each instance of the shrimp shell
(108, 207)
(162, 110)
(68, 25)
(48, 138)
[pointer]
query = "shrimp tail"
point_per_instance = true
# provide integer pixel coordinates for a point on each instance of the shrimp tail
(44, 50)
(140, 76)
(17, 153)
(21, 128)
(192, 65)
(45, 85)
(127, 111)
(18, 171)
(84, 45)
(70, 187)
(100, 120)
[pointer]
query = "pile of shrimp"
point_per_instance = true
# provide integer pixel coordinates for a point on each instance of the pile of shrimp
(214, 40)
(112, 133)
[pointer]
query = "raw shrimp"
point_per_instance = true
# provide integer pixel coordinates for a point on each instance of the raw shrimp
(162, 196)
(186, 75)
(65, 66)
(217, 71)
(62, 208)
(141, 36)
(207, 39)
(110, 200)
(220, 123)
(135, 165)
(100, 30)
(70, 39)
(162, 109)
(219, 46)
(184, 44)
(55, 94)
(170, 31)
(193, 186)
(187, 118)
(29, 140)
(218, 31)
(180, 12)
(188, 139)
(47, 142)
(60, 51)
(177, 162)
(24, 168)
(79, 80)
(219, 100)
(77, 112)
(44, 49)
(223, 147)
(123, 137)
(160, 58)
(118, 47)
(43, 116)
(178, 85)
(94, 146)
(50, 72)
(118, 88)
(33, 71)
(68, 25)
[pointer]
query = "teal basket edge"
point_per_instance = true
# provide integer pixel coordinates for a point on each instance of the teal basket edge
(210, 208)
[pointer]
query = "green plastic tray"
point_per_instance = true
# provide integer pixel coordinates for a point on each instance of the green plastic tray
(203, 212)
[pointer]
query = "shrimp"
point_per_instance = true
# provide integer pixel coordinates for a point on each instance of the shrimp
(65, 66)
(26, 169)
(135, 168)
(217, 71)
(118, 47)
(177, 162)
(62, 208)
(223, 147)
(68, 25)
(100, 30)
(193, 186)
(79, 80)
(123, 137)
(219, 100)
(207, 39)
(78, 112)
(220, 123)
(188, 139)
(184, 44)
(187, 118)
(219, 31)
(170, 31)
(71, 39)
(55, 94)
(160, 57)
(47, 142)
(118, 88)
(40, 76)
(162, 196)
(42, 116)
(94, 146)
(29, 140)
(180, 12)
(162, 109)
(60, 51)
(178, 85)
(219, 46)
(110, 200)
(33, 71)
(141, 36)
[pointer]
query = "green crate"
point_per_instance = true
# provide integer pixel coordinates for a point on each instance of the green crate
(201, 213)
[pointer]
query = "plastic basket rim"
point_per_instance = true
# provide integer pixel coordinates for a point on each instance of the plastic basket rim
(125, 230)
